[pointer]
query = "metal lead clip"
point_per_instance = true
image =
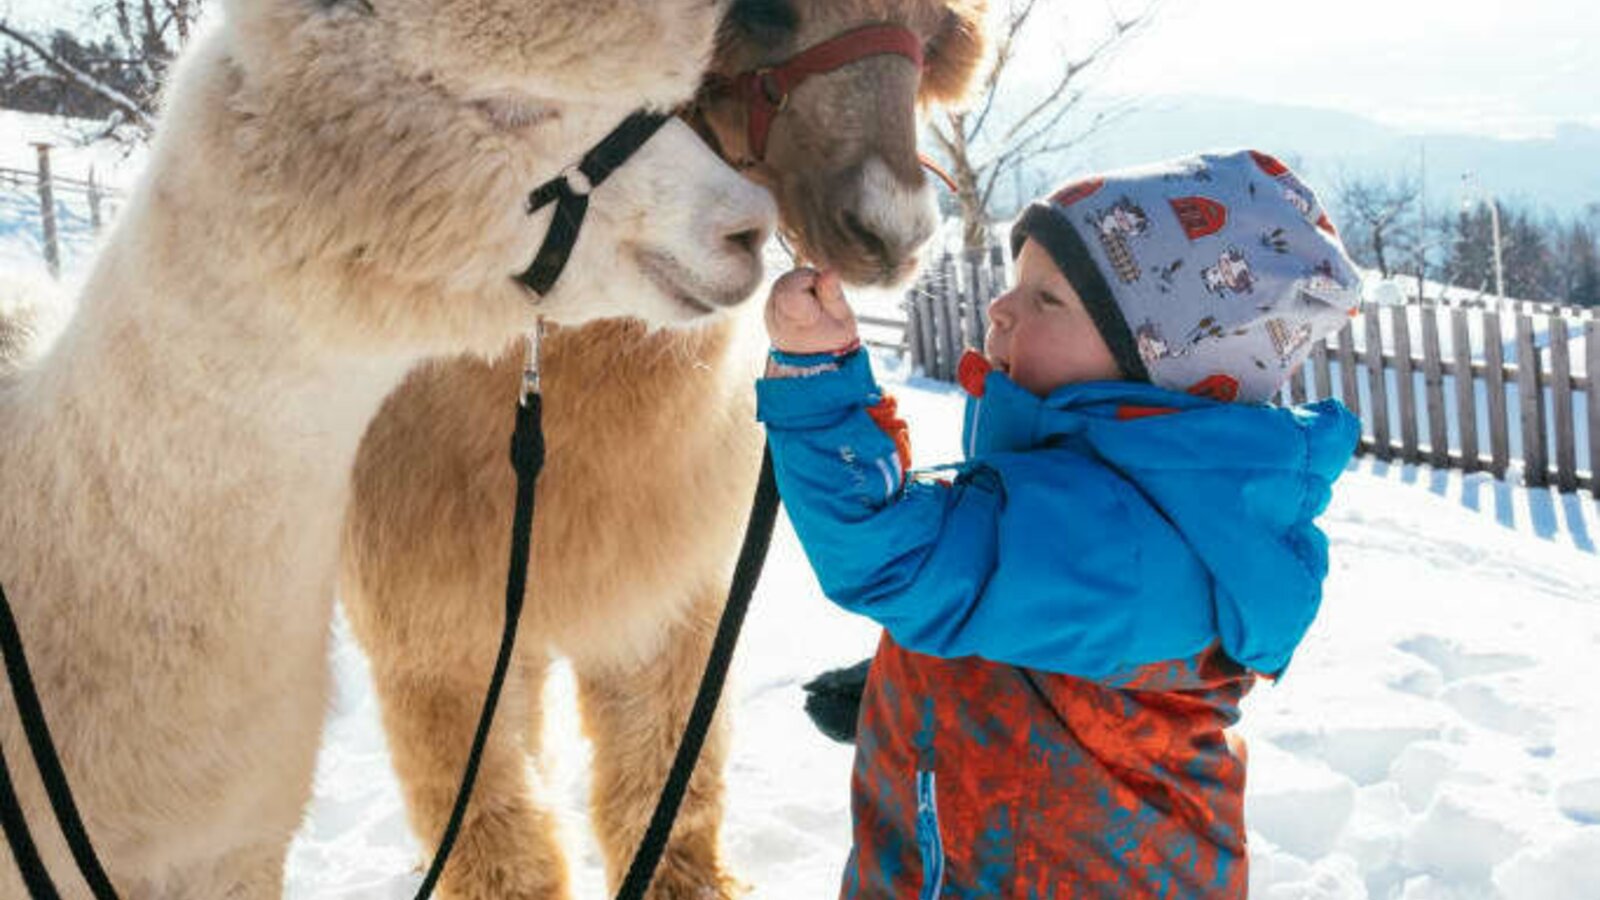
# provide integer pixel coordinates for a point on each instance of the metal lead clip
(530, 367)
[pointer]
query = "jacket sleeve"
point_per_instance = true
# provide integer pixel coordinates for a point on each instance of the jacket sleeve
(961, 569)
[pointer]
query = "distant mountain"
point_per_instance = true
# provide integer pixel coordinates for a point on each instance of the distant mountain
(1559, 174)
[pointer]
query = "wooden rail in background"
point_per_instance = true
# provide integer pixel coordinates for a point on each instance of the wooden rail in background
(1546, 391)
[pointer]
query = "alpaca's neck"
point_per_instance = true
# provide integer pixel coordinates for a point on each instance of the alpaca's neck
(221, 432)
(196, 424)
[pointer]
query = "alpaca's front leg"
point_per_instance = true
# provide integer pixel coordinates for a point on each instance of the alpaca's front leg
(507, 849)
(635, 716)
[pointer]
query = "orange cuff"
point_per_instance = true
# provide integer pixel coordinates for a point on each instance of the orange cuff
(886, 415)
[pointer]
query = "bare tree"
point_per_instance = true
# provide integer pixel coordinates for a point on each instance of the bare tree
(1377, 213)
(117, 76)
(1577, 264)
(989, 140)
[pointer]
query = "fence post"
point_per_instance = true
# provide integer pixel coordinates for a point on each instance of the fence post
(1001, 282)
(1405, 384)
(1592, 395)
(1297, 384)
(1561, 406)
(1466, 393)
(954, 276)
(1530, 394)
(1322, 382)
(1347, 369)
(947, 299)
(957, 316)
(1495, 377)
(936, 312)
(925, 330)
(47, 212)
(94, 202)
(977, 289)
(913, 332)
(1377, 381)
(1433, 386)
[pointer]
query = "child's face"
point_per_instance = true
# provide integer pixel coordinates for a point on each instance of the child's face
(1039, 332)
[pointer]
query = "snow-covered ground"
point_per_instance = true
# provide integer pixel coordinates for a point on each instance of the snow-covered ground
(1434, 738)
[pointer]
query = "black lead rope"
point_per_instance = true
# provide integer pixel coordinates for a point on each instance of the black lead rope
(31, 712)
(757, 537)
(26, 855)
(527, 457)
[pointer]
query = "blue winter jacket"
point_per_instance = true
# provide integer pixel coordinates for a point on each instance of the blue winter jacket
(1103, 527)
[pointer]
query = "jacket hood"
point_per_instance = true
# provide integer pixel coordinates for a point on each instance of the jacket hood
(1242, 484)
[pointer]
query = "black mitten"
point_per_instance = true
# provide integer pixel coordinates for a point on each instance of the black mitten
(833, 700)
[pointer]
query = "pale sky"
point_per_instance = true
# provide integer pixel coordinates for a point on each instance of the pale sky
(1502, 67)
(1509, 68)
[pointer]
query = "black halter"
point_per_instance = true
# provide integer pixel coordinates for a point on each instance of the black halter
(572, 199)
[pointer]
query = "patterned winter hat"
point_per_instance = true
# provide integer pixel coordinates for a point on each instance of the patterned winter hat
(1211, 274)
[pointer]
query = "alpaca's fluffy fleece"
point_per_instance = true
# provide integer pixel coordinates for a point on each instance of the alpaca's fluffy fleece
(333, 195)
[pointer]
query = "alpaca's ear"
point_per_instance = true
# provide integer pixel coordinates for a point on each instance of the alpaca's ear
(952, 55)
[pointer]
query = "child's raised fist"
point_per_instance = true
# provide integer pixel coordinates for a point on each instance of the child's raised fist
(807, 313)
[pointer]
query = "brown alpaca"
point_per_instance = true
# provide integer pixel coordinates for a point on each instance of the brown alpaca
(335, 194)
(653, 453)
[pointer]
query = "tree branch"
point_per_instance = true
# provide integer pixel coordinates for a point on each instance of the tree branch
(984, 159)
(991, 179)
(946, 143)
(125, 23)
(1004, 51)
(88, 82)
(1121, 30)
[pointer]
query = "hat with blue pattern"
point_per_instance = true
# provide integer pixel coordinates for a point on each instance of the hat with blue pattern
(1211, 274)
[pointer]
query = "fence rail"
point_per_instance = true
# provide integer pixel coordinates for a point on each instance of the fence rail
(30, 179)
(47, 184)
(1472, 386)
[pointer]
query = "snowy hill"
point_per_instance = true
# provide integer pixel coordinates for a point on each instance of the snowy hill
(1553, 172)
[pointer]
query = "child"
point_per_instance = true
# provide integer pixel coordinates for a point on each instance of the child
(1071, 623)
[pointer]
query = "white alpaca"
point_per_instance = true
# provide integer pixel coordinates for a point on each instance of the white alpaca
(336, 192)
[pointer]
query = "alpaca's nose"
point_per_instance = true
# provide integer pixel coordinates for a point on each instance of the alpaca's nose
(740, 238)
(868, 238)
(887, 220)
(749, 239)
(744, 227)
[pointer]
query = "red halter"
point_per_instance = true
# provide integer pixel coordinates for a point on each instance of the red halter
(767, 89)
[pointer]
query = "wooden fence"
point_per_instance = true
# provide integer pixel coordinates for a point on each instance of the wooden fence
(1460, 386)
(946, 311)
(48, 185)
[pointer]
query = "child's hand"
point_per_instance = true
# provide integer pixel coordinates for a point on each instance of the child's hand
(807, 313)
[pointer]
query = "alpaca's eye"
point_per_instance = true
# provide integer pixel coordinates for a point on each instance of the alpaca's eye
(769, 22)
